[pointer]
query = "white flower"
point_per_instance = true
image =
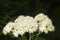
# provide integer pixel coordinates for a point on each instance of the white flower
(8, 28)
(43, 26)
(51, 27)
(20, 28)
(20, 18)
(40, 17)
(29, 24)
(26, 25)
(44, 23)
(15, 33)
(21, 25)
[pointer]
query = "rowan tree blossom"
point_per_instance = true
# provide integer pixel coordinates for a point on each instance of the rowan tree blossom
(44, 23)
(40, 17)
(20, 18)
(27, 23)
(31, 24)
(24, 24)
(21, 25)
(8, 28)
(15, 33)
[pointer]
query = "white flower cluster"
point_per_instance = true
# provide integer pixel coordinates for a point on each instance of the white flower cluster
(29, 24)
(44, 23)
(21, 25)
(8, 27)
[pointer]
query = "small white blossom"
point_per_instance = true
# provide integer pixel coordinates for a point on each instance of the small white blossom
(8, 28)
(40, 17)
(27, 25)
(15, 33)
(31, 24)
(44, 23)
(51, 27)
(20, 18)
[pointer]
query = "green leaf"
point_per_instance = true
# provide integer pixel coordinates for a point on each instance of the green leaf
(22, 38)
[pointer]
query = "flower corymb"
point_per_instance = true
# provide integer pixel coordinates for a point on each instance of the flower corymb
(23, 24)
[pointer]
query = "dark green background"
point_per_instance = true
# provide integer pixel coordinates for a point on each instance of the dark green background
(11, 9)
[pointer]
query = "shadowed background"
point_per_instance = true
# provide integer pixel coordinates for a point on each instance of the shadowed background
(11, 9)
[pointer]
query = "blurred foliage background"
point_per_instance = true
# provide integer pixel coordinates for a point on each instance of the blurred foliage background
(11, 9)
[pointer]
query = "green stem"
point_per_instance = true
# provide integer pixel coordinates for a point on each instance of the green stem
(38, 33)
(29, 37)
(34, 36)
(37, 36)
